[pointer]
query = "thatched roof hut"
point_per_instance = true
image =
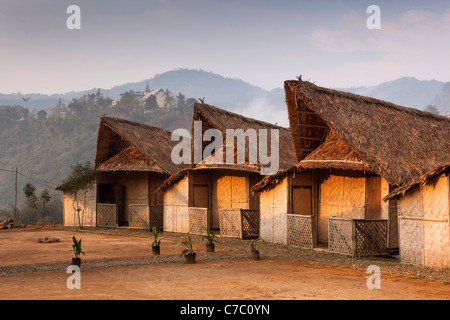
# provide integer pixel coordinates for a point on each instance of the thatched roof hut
(356, 149)
(212, 189)
(133, 160)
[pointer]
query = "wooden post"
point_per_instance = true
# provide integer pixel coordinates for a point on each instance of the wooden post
(15, 202)
(353, 238)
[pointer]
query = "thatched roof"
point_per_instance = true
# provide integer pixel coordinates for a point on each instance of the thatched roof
(213, 117)
(334, 153)
(130, 159)
(131, 146)
(419, 181)
(396, 142)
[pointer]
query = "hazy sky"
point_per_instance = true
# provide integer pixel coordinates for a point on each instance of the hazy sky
(261, 42)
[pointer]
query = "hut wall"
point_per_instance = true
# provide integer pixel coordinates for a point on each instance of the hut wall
(384, 205)
(176, 207)
(410, 221)
(436, 222)
(274, 209)
(424, 224)
(88, 219)
(135, 190)
(342, 194)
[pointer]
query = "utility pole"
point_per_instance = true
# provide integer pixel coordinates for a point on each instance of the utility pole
(15, 203)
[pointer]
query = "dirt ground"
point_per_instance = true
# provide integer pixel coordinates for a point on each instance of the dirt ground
(20, 246)
(281, 279)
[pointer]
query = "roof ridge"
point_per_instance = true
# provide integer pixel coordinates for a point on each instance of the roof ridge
(230, 113)
(355, 96)
(131, 122)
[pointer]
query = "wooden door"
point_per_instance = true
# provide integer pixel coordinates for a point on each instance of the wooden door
(118, 196)
(253, 198)
(201, 196)
(230, 192)
(393, 222)
(154, 182)
(302, 200)
(373, 197)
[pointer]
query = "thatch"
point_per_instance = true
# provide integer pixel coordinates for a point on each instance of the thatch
(397, 143)
(115, 135)
(130, 159)
(334, 154)
(213, 117)
(230, 167)
(272, 181)
(419, 181)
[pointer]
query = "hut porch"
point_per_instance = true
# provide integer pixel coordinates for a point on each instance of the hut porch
(341, 210)
(220, 200)
(128, 199)
(216, 199)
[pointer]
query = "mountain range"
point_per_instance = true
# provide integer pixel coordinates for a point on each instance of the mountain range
(239, 96)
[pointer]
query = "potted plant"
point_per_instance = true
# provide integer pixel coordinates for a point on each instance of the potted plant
(77, 251)
(188, 253)
(157, 242)
(253, 246)
(210, 236)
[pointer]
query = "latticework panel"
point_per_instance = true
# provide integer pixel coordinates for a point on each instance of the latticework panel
(250, 223)
(370, 237)
(139, 216)
(106, 215)
(340, 235)
(198, 220)
(156, 217)
(300, 231)
(230, 223)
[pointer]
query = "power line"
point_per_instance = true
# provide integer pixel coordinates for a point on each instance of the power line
(40, 181)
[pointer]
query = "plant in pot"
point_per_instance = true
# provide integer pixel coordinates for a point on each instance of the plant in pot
(188, 253)
(77, 251)
(156, 249)
(209, 237)
(255, 250)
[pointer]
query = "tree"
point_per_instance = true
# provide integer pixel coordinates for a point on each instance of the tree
(432, 108)
(78, 184)
(35, 203)
(181, 100)
(170, 100)
(42, 114)
(30, 194)
(151, 103)
(128, 100)
(44, 198)
(190, 102)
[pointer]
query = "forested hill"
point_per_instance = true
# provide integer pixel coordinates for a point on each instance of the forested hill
(44, 147)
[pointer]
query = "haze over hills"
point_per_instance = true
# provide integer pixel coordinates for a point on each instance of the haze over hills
(239, 96)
